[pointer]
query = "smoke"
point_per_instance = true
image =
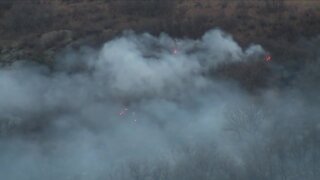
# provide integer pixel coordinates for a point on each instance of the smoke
(177, 121)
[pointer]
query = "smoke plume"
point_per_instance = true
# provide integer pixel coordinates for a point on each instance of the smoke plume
(144, 107)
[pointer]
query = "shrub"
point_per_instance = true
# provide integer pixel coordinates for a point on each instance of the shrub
(148, 8)
(28, 17)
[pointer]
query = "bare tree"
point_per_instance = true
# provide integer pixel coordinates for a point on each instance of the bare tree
(275, 5)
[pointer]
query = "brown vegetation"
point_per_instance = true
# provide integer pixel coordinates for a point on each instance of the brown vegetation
(248, 21)
(275, 24)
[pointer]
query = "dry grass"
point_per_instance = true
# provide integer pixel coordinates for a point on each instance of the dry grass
(91, 19)
(92, 22)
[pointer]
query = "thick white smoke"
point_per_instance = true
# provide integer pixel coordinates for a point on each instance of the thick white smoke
(65, 123)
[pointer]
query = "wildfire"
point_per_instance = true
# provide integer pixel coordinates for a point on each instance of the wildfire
(123, 112)
(267, 58)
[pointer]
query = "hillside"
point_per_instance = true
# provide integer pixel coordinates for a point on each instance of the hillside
(159, 89)
(38, 30)
(35, 29)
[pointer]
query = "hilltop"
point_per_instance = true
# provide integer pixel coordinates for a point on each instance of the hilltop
(38, 29)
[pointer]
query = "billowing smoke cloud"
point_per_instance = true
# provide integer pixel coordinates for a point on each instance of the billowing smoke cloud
(143, 108)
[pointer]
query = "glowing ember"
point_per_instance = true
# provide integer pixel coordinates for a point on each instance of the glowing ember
(123, 111)
(175, 51)
(267, 58)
